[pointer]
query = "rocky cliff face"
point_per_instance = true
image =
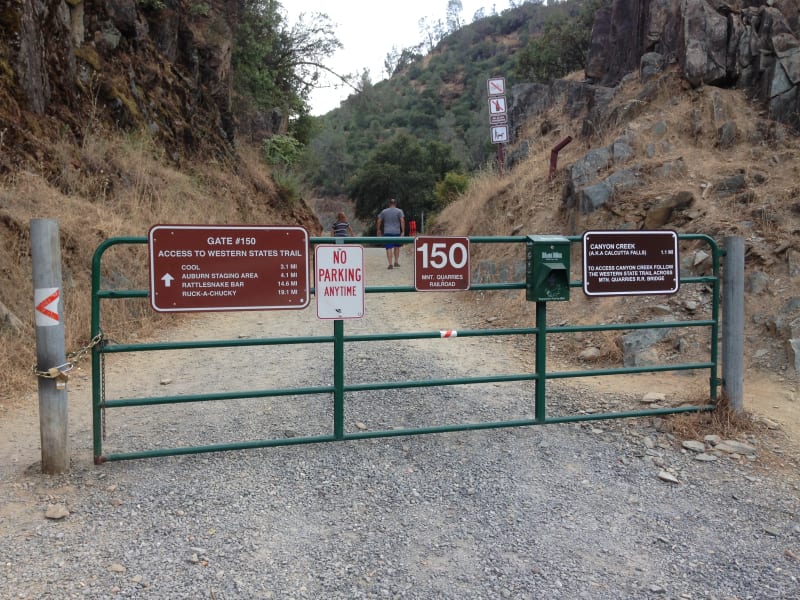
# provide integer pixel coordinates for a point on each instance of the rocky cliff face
(751, 45)
(161, 65)
(115, 115)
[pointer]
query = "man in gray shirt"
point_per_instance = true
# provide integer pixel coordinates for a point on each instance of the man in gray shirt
(392, 222)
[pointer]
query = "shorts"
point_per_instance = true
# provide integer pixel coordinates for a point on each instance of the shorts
(392, 235)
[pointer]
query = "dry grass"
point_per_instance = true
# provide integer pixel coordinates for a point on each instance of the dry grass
(670, 126)
(780, 454)
(723, 421)
(666, 128)
(114, 186)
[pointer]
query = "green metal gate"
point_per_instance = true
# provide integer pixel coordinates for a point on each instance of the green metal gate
(339, 387)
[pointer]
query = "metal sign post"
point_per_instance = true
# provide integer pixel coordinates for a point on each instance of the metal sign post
(50, 345)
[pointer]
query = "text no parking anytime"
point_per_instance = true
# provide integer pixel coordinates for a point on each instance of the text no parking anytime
(225, 268)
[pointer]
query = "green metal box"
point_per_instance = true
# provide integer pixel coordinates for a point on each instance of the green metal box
(548, 268)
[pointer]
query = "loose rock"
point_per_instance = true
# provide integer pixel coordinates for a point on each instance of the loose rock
(56, 512)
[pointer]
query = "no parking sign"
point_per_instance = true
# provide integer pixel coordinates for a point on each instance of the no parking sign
(339, 274)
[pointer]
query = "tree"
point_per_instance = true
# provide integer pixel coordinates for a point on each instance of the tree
(432, 33)
(563, 46)
(329, 161)
(440, 159)
(277, 65)
(397, 60)
(454, 8)
(391, 61)
(404, 169)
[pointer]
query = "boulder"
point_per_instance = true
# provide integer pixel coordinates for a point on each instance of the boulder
(637, 346)
(794, 354)
(793, 262)
(727, 44)
(661, 213)
(591, 180)
(650, 66)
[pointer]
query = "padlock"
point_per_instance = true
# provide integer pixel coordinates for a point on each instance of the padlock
(60, 376)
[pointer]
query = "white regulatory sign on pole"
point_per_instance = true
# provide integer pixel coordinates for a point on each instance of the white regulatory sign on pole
(496, 86)
(497, 105)
(339, 277)
(499, 134)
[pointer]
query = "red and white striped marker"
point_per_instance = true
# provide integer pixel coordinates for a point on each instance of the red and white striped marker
(448, 333)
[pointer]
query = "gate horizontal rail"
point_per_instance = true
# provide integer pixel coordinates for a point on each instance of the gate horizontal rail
(339, 339)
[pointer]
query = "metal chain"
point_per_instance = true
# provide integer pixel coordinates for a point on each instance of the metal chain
(77, 356)
(73, 358)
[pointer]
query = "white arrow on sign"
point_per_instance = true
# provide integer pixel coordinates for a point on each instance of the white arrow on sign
(167, 279)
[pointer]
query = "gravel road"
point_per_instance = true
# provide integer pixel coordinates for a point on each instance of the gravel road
(560, 511)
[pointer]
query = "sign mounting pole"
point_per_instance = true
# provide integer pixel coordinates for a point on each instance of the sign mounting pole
(50, 345)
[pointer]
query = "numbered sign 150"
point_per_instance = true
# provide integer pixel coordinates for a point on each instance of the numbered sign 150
(441, 264)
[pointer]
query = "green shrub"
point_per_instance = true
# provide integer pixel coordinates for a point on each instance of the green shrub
(450, 188)
(200, 9)
(282, 150)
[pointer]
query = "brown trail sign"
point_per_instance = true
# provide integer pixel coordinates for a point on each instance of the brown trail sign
(221, 268)
(617, 263)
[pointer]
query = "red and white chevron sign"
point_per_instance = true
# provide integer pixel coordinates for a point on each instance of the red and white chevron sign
(45, 301)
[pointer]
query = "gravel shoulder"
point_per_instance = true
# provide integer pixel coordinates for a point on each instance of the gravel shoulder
(604, 509)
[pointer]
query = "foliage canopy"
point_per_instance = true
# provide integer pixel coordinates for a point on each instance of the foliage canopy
(404, 169)
(415, 135)
(277, 65)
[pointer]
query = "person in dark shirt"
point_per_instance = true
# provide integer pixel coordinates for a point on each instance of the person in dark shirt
(391, 222)
(341, 228)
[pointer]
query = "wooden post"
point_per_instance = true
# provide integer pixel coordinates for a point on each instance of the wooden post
(50, 352)
(733, 323)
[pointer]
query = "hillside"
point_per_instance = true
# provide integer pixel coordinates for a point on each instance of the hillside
(686, 181)
(677, 130)
(115, 116)
(435, 93)
(706, 158)
(685, 118)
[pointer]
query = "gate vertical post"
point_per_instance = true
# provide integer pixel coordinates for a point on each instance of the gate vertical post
(97, 381)
(338, 374)
(540, 411)
(733, 323)
(50, 345)
(338, 379)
